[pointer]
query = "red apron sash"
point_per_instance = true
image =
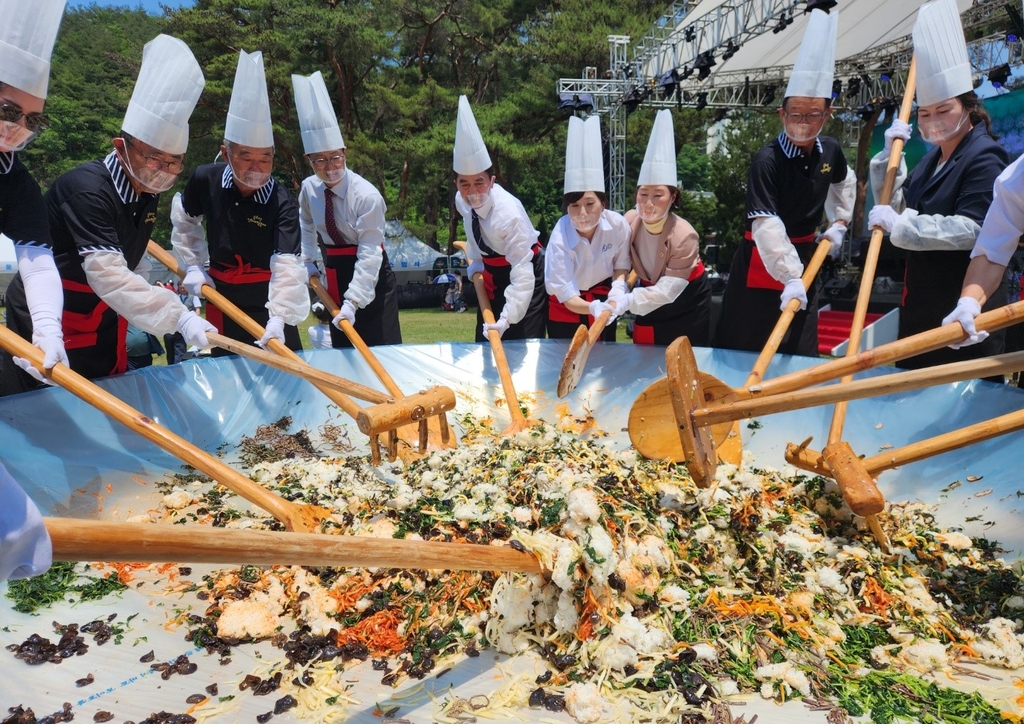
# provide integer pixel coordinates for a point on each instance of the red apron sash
(757, 274)
(242, 273)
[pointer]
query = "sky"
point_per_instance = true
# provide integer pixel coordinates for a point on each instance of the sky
(150, 6)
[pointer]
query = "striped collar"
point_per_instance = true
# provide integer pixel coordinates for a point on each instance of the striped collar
(124, 188)
(791, 149)
(6, 162)
(262, 194)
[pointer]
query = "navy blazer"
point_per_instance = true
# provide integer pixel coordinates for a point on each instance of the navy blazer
(964, 185)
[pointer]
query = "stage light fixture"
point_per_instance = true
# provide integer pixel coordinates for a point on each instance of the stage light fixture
(690, 34)
(998, 76)
(668, 83)
(566, 102)
(885, 76)
(687, 72)
(703, 64)
(585, 102)
(837, 88)
(730, 50)
(769, 96)
(632, 98)
(825, 5)
(702, 101)
(866, 111)
(784, 22)
(852, 87)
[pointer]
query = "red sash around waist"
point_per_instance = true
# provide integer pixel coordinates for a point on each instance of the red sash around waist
(242, 273)
(502, 261)
(757, 273)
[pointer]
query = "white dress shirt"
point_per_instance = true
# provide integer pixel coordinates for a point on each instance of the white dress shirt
(572, 263)
(1004, 222)
(359, 215)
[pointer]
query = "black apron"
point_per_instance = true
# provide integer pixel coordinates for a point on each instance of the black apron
(689, 315)
(247, 287)
(563, 322)
(377, 322)
(497, 273)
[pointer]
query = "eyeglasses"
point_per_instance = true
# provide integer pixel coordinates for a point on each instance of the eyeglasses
(814, 117)
(35, 122)
(155, 162)
(321, 161)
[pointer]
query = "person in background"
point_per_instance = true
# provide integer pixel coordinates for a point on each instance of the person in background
(141, 348)
(344, 213)
(672, 297)
(589, 247)
(792, 181)
(252, 222)
(27, 35)
(501, 242)
(101, 216)
(936, 211)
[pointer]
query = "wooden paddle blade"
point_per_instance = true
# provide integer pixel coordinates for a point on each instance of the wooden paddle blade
(575, 361)
(800, 456)
(94, 540)
(687, 395)
(730, 449)
(390, 416)
(652, 424)
(858, 487)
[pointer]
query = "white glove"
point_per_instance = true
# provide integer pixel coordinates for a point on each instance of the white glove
(500, 326)
(52, 347)
(598, 307)
(883, 216)
(966, 310)
(618, 291)
(794, 289)
(347, 312)
(834, 234)
(312, 270)
(898, 129)
(194, 280)
(273, 330)
(194, 328)
(32, 371)
(621, 302)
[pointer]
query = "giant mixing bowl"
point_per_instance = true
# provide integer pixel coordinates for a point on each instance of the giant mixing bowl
(74, 461)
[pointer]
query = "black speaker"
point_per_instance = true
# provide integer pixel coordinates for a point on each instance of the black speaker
(839, 290)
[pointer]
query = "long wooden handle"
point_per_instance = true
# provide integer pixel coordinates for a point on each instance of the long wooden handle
(306, 372)
(786, 318)
(859, 389)
(597, 328)
(95, 540)
(285, 511)
(500, 361)
(346, 403)
(353, 336)
(867, 279)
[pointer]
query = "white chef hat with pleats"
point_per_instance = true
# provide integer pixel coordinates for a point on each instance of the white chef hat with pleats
(470, 156)
(814, 69)
(584, 159)
(248, 121)
(27, 33)
(166, 92)
(659, 166)
(943, 68)
(319, 124)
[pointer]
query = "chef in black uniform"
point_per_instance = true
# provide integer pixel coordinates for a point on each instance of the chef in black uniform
(252, 222)
(792, 181)
(101, 215)
(937, 211)
(345, 213)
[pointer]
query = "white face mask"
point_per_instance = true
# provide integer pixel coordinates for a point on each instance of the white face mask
(938, 130)
(252, 179)
(584, 223)
(14, 136)
(475, 201)
(331, 176)
(800, 133)
(650, 213)
(152, 180)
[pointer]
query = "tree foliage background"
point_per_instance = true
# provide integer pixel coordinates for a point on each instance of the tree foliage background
(395, 70)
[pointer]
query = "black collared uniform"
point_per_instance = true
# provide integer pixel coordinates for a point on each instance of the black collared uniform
(243, 233)
(90, 208)
(786, 183)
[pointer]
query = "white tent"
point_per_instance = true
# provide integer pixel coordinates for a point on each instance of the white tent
(410, 258)
(8, 263)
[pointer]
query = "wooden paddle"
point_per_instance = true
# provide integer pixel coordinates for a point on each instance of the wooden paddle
(433, 429)
(100, 540)
(652, 425)
(579, 348)
(867, 282)
(731, 449)
(346, 403)
(519, 421)
(295, 517)
(306, 372)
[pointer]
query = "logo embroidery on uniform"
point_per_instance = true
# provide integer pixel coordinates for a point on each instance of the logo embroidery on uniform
(826, 168)
(256, 220)
(150, 218)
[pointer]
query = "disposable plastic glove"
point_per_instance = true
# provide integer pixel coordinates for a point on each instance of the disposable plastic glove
(834, 234)
(621, 302)
(500, 326)
(312, 270)
(883, 216)
(347, 312)
(194, 328)
(898, 129)
(598, 307)
(194, 280)
(794, 289)
(618, 291)
(965, 312)
(274, 330)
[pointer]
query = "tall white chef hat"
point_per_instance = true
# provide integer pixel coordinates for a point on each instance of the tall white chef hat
(319, 124)
(584, 160)
(814, 68)
(166, 93)
(27, 33)
(470, 156)
(249, 111)
(659, 166)
(943, 69)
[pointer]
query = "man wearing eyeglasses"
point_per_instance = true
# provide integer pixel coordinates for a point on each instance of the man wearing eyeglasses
(102, 213)
(792, 182)
(345, 212)
(251, 240)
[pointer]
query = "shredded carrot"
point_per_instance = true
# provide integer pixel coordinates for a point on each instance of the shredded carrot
(586, 628)
(197, 705)
(754, 606)
(110, 488)
(379, 632)
(137, 480)
(876, 600)
(837, 659)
